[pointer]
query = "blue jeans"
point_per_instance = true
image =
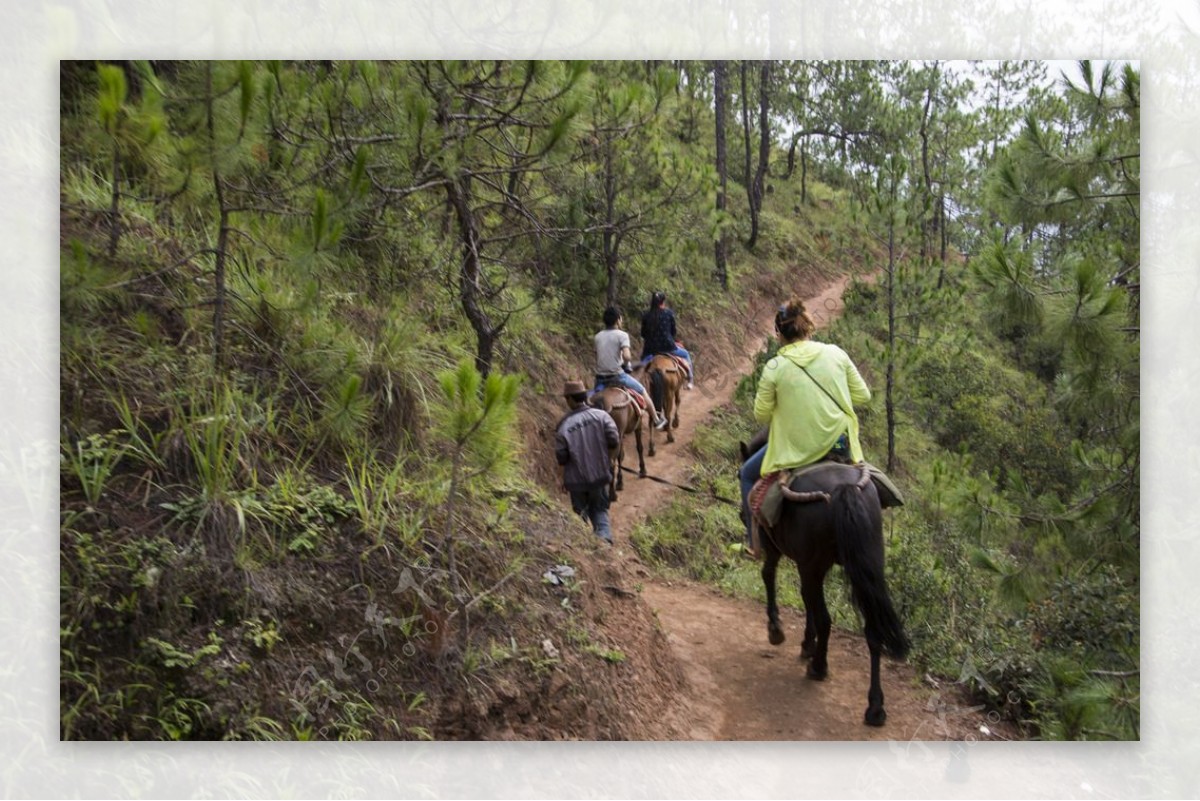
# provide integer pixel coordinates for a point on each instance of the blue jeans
(592, 506)
(680, 352)
(750, 472)
(624, 379)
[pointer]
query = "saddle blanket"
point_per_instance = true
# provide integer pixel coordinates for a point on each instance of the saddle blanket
(680, 363)
(766, 497)
(634, 396)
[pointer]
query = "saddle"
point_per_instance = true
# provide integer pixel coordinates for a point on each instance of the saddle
(769, 492)
(678, 363)
(628, 395)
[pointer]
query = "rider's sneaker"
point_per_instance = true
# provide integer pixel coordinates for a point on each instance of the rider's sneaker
(661, 423)
(690, 385)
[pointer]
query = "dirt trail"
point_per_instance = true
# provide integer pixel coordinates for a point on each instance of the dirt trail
(742, 688)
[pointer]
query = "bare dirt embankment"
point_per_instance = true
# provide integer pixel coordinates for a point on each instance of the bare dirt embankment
(737, 686)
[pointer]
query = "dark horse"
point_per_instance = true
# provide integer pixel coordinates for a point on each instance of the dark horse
(666, 377)
(626, 413)
(834, 517)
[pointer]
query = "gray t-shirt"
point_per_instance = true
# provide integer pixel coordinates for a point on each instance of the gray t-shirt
(609, 343)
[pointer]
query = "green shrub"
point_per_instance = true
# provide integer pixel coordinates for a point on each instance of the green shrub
(1095, 614)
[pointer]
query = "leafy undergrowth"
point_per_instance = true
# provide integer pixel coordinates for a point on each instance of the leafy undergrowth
(279, 548)
(171, 636)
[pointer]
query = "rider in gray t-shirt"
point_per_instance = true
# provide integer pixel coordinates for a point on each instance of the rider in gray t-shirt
(613, 358)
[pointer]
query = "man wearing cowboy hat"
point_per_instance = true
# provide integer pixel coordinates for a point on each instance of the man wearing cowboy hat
(582, 441)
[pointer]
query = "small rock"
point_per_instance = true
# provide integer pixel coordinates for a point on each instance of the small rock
(556, 574)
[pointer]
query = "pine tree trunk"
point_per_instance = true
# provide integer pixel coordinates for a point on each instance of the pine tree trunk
(470, 278)
(889, 400)
(804, 173)
(219, 279)
(942, 229)
(609, 240)
(927, 228)
(222, 230)
(114, 212)
(448, 542)
(764, 151)
(721, 269)
(747, 173)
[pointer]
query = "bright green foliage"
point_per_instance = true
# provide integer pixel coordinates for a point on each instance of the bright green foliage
(376, 497)
(172, 657)
(92, 462)
(323, 231)
(347, 411)
(981, 405)
(1074, 703)
(477, 418)
(1006, 273)
(113, 90)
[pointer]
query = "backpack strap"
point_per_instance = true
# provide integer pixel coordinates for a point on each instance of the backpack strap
(836, 403)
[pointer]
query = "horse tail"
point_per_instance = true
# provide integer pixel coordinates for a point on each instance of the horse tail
(861, 553)
(658, 386)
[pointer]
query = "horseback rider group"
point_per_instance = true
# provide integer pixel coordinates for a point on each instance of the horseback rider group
(809, 454)
(806, 398)
(578, 437)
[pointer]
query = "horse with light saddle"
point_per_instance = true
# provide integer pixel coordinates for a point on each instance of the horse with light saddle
(667, 374)
(627, 409)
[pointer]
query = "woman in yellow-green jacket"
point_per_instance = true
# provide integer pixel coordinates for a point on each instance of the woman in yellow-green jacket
(807, 394)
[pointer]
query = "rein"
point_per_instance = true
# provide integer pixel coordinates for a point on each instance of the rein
(683, 487)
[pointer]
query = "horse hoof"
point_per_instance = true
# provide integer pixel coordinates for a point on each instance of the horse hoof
(815, 673)
(875, 717)
(775, 635)
(641, 474)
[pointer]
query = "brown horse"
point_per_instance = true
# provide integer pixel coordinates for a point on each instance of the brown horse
(667, 377)
(626, 413)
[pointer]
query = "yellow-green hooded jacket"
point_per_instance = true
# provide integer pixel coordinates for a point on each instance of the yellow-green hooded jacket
(805, 422)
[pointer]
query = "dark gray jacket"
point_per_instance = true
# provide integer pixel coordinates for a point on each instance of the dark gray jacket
(581, 443)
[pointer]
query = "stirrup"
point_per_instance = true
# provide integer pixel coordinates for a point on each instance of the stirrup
(754, 549)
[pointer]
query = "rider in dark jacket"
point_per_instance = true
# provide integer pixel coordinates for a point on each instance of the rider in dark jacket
(659, 335)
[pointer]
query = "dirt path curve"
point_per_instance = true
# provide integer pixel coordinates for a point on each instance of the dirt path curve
(742, 687)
